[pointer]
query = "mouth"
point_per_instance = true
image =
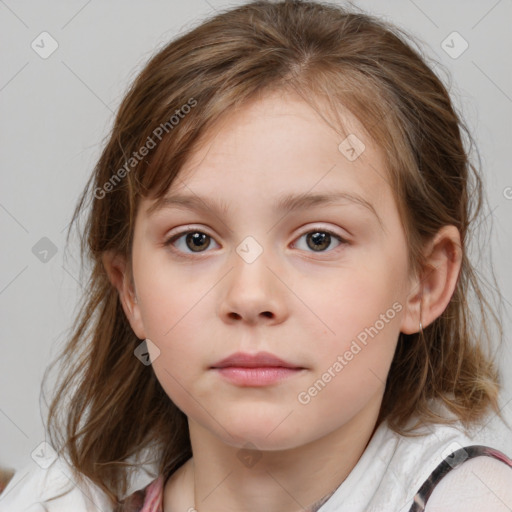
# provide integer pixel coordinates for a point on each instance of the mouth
(255, 370)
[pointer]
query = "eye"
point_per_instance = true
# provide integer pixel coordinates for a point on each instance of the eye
(193, 239)
(319, 239)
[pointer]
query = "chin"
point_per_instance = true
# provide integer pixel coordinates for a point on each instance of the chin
(263, 435)
(260, 442)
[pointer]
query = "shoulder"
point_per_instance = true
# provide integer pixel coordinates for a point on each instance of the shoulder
(482, 483)
(33, 487)
(411, 465)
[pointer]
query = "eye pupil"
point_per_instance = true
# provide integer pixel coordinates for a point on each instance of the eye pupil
(321, 240)
(197, 240)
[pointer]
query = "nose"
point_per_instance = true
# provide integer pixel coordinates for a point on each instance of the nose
(252, 293)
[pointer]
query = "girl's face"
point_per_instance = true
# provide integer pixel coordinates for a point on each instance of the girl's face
(295, 248)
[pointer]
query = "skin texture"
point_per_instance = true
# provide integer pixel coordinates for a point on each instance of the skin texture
(303, 304)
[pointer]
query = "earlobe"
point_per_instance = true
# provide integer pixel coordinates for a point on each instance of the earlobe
(119, 275)
(433, 289)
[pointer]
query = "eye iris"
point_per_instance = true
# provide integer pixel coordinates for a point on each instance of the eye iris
(320, 239)
(197, 240)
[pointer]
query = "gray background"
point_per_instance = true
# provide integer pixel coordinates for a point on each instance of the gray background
(55, 113)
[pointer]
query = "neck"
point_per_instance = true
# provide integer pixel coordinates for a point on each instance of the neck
(224, 478)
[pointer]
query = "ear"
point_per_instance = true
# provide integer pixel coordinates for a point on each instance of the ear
(432, 290)
(119, 274)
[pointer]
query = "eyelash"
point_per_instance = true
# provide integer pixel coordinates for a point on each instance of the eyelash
(170, 241)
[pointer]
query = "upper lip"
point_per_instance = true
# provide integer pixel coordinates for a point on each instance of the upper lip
(259, 360)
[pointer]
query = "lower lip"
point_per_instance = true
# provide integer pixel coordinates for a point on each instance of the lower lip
(255, 377)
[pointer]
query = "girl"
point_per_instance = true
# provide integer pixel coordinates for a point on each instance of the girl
(278, 310)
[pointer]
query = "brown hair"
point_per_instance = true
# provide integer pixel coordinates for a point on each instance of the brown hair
(326, 54)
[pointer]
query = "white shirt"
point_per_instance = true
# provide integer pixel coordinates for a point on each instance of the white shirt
(385, 479)
(393, 468)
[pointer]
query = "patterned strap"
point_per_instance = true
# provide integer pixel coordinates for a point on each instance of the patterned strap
(450, 462)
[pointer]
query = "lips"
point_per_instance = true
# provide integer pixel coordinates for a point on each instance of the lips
(255, 370)
(259, 360)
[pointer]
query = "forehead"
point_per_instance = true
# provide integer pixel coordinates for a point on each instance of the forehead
(281, 143)
(280, 128)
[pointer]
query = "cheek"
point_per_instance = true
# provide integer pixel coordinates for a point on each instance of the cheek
(171, 323)
(356, 300)
(182, 357)
(166, 299)
(363, 311)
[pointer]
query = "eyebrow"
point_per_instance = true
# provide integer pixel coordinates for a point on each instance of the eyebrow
(285, 204)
